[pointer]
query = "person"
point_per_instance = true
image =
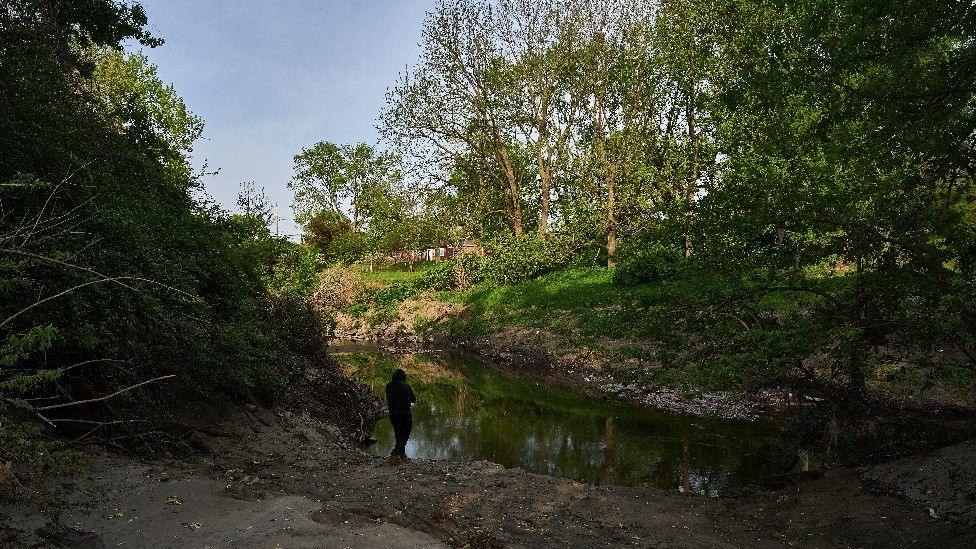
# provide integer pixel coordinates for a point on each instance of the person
(399, 398)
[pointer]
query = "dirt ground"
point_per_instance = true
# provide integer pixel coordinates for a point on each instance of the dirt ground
(284, 480)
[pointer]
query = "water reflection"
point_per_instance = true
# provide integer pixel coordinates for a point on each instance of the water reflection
(469, 411)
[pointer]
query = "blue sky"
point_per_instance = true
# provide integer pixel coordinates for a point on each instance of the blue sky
(269, 77)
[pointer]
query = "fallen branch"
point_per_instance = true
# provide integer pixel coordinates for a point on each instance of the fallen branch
(94, 272)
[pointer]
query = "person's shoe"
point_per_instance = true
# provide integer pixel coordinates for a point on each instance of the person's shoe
(393, 460)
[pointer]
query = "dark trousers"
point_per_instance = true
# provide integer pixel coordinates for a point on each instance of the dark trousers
(402, 424)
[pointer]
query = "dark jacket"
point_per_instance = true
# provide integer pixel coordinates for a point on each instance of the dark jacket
(399, 395)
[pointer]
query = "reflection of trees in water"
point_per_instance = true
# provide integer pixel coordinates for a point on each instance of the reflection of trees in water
(479, 414)
(460, 401)
(606, 472)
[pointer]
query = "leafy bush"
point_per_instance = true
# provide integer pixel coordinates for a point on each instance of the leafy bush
(391, 296)
(438, 277)
(469, 269)
(346, 249)
(295, 270)
(645, 260)
(301, 333)
(514, 259)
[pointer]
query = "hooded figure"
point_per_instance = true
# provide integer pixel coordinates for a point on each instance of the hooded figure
(399, 398)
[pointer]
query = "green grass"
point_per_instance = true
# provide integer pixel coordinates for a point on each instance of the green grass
(579, 302)
(583, 304)
(389, 275)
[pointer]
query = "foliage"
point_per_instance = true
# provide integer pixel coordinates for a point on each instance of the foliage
(849, 143)
(347, 248)
(115, 280)
(36, 472)
(438, 277)
(337, 288)
(468, 270)
(515, 259)
(646, 260)
(328, 174)
(324, 229)
(129, 87)
(801, 170)
(295, 270)
(255, 205)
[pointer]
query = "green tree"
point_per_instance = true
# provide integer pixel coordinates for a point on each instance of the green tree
(329, 176)
(848, 141)
(450, 107)
(151, 110)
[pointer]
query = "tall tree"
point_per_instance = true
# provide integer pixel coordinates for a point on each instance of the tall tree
(537, 40)
(329, 176)
(848, 136)
(450, 105)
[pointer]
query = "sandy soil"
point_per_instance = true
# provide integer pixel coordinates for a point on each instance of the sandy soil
(285, 480)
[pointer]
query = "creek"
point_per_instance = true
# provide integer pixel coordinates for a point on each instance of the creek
(468, 409)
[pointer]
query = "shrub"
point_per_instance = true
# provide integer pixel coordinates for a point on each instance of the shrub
(391, 296)
(438, 277)
(295, 270)
(337, 288)
(645, 260)
(515, 259)
(346, 249)
(468, 270)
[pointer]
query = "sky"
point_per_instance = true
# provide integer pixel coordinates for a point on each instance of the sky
(270, 77)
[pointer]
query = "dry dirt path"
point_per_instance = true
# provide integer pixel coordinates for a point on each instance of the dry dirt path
(288, 481)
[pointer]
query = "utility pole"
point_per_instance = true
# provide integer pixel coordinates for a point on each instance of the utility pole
(277, 219)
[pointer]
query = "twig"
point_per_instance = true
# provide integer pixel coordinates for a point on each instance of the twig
(91, 421)
(116, 279)
(94, 360)
(94, 272)
(106, 397)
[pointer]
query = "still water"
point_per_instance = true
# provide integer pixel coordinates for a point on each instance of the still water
(467, 410)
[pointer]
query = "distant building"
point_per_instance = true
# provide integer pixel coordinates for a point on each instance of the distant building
(447, 252)
(436, 254)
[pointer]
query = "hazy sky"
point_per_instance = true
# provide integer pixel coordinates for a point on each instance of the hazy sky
(269, 77)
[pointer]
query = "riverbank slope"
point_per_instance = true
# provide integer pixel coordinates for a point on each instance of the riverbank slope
(577, 325)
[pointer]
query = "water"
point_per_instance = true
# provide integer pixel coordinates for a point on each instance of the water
(467, 410)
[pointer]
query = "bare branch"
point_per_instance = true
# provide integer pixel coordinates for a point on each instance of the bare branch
(106, 397)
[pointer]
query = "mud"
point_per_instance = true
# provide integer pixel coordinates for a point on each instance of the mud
(289, 480)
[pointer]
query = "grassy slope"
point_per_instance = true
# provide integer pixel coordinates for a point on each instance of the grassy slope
(582, 308)
(579, 304)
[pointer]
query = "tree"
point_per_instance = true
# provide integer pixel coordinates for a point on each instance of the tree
(327, 176)
(152, 111)
(847, 134)
(324, 228)
(254, 204)
(451, 105)
(115, 279)
(537, 42)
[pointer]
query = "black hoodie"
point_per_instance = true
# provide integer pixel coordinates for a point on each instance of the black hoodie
(399, 395)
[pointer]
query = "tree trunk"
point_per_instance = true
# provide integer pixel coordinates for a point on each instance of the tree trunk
(513, 187)
(608, 180)
(691, 189)
(611, 224)
(545, 179)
